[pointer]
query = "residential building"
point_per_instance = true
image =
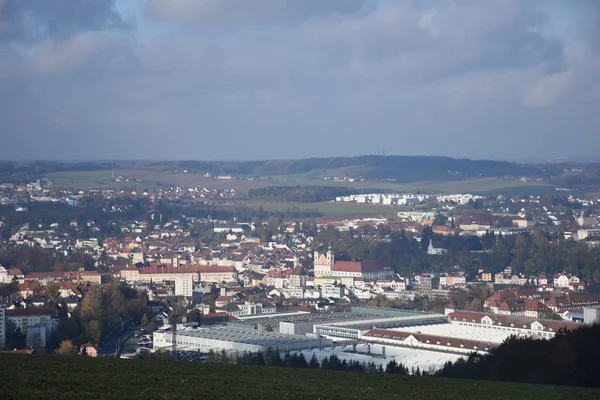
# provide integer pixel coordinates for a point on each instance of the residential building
(298, 277)
(561, 281)
(197, 273)
(89, 349)
(40, 321)
(587, 221)
(332, 291)
(184, 286)
(452, 281)
(246, 309)
(426, 284)
(226, 274)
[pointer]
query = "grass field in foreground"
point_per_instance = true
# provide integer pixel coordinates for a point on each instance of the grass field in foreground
(54, 377)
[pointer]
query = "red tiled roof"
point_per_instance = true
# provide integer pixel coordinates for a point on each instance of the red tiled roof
(355, 266)
(15, 271)
(42, 275)
(22, 312)
(90, 273)
(430, 339)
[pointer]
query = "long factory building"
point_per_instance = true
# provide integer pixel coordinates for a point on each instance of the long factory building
(231, 338)
(293, 331)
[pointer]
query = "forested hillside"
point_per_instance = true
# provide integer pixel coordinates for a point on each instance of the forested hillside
(399, 168)
(570, 358)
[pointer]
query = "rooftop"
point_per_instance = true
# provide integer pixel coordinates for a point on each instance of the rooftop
(235, 334)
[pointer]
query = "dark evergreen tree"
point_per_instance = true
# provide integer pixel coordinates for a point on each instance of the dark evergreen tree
(314, 362)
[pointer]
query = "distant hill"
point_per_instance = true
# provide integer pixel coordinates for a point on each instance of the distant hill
(398, 168)
(26, 376)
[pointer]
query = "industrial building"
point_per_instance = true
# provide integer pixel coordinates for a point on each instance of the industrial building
(354, 329)
(340, 325)
(591, 315)
(231, 338)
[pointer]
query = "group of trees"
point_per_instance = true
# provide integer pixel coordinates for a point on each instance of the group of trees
(530, 254)
(244, 212)
(106, 309)
(299, 194)
(36, 259)
(471, 300)
(570, 358)
(107, 214)
(298, 360)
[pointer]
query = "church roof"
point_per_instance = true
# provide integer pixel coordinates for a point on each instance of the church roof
(355, 266)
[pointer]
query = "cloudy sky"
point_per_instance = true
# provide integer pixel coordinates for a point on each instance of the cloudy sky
(255, 79)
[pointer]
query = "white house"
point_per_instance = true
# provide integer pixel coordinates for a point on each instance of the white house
(562, 281)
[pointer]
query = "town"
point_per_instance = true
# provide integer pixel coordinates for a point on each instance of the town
(439, 278)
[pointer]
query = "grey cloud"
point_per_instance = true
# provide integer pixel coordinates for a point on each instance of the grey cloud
(476, 79)
(591, 25)
(31, 21)
(233, 12)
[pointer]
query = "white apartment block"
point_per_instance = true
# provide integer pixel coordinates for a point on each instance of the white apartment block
(184, 286)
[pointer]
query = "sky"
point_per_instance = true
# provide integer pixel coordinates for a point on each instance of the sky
(274, 79)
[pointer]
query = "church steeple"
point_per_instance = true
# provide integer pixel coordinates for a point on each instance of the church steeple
(330, 256)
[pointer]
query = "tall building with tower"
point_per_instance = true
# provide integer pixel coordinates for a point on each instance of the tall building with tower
(323, 263)
(326, 266)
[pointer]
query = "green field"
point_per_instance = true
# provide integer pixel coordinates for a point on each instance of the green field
(474, 186)
(146, 178)
(151, 177)
(54, 377)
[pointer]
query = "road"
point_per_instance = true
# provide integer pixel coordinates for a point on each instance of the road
(111, 346)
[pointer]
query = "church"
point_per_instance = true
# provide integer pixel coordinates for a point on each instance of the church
(326, 266)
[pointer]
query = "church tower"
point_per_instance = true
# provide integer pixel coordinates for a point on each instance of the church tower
(330, 257)
(323, 263)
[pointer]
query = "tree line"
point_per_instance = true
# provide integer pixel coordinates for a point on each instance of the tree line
(272, 357)
(570, 358)
(400, 168)
(528, 254)
(36, 259)
(300, 194)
